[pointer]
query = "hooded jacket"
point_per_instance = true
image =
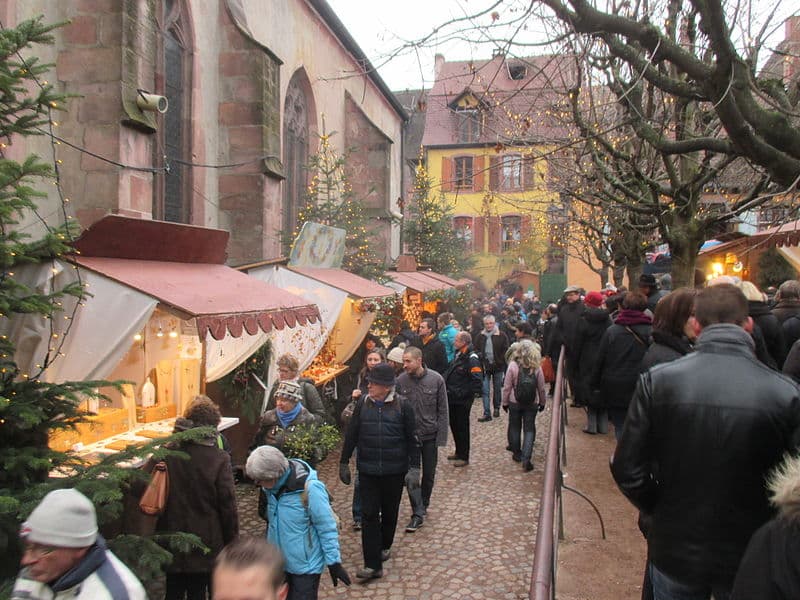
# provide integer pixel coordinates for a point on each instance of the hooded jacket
(701, 433)
(98, 576)
(304, 529)
(770, 568)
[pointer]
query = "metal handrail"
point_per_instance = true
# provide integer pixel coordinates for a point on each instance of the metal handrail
(543, 574)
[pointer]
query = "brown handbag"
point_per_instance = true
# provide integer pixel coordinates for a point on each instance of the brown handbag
(547, 370)
(154, 499)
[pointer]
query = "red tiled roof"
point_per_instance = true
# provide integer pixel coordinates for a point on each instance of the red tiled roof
(518, 109)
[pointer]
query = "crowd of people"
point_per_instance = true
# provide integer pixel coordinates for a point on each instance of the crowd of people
(690, 380)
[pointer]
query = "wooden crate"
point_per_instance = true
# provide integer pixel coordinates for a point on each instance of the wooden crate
(155, 413)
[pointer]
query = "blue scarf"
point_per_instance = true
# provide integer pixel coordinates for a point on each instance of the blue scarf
(287, 417)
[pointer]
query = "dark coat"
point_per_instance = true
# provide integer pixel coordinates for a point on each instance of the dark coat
(792, 364)
(434, 354)
(591, 326)
(464, 377)
(771, 329)
(311, 399)
(201, 501)
(700, 436)
(551, 340)
(499, 348)
(385, 436)
(272, 433)
(618, 360)
(569, 315)
(786, 308)
(407, 337)
(665, 348)
(791, 331)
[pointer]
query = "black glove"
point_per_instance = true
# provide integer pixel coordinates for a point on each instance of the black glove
(505, 408)
(338, 574)
(541, 408)
(344, 474)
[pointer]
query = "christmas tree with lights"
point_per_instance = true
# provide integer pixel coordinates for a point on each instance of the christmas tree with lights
(330, 201)
(429, 232)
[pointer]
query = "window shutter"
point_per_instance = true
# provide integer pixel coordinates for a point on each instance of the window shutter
(528, 173)
(494, 173)
(495, 245)
(478, 224)
(447, 174)
(477, 174)
(525, 227)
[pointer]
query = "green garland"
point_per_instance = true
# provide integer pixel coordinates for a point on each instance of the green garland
(240, 387)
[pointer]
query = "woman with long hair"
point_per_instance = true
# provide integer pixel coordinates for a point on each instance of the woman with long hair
(523, 397)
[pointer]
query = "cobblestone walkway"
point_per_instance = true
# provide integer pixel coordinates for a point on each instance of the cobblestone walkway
(477, 541)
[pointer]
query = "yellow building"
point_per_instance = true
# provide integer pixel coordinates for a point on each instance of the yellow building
(490, 128)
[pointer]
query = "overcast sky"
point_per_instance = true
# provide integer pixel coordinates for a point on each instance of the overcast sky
(380, 27)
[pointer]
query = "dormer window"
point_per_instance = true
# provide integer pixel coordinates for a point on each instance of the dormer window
(517, 72)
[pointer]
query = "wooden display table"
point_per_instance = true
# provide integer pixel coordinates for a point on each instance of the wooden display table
(108, 422)
(321, 375)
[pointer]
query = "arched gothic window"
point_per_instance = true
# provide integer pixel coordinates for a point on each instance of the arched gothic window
(172, 197)
(295, 150)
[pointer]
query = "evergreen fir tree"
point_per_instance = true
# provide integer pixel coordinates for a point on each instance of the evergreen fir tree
(31, 408)
(330, 201)
(429, 230)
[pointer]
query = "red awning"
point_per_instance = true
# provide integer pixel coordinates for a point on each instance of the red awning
(443, 278)
(418, 281)
(219, 297)
(351, 283)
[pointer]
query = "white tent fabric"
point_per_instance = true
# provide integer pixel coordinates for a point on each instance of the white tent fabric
(101, 330)
(303, 342)
(792, 254)
(223, 356)
(350, 329)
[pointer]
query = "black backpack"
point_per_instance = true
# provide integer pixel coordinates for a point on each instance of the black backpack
(525, 391)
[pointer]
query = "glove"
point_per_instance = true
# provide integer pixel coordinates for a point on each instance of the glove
(505, 408)
(541, 408)
(413, 478)
(344, 477)
(338, 574)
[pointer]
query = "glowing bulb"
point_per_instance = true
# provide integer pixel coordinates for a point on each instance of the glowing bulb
(173, 334)
(138, 337)
(160, 333)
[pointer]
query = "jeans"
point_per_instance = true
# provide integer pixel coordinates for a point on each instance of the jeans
(496, 383)
(380, 503)
(302, 587)
(192, 586)
(421, 497)
(667, 588)
(524, 419)
(459, 426)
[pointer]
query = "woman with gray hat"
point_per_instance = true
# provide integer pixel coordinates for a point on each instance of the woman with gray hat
(288, 413)
(383, 429)
(301, 522)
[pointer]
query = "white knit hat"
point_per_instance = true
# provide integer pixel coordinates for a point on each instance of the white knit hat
(396, 354)
(64, 518)
(266, 462)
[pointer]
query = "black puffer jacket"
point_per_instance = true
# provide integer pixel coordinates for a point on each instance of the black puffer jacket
(618, 360)
(771, 329)
(385, 436)
(700, 436)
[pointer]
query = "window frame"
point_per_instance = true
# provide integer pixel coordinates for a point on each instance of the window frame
(462, 181)
(468, 125)
(469, 220)
(506, 245)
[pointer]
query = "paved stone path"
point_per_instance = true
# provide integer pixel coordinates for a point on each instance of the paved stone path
(477, 541)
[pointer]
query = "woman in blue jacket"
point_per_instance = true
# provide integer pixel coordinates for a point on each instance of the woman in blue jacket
(301, 522)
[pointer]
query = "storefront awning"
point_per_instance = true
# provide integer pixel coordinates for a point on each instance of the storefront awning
(418, 281)
(220, 298)
(353, 284)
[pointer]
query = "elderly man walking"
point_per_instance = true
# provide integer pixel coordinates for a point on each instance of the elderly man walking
(426, 391)
(701, 434)
(65, 557)
(383, 429)
(464, 381)
(491, 345)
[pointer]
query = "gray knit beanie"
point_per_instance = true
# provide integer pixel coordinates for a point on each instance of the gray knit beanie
(64, 518)
(266, 462)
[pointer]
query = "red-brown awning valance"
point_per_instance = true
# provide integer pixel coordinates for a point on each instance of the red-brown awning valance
(220, 298)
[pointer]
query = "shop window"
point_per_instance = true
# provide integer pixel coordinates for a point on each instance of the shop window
(464, 228)
(469, 125)
(295, 150)
(511, 232)
(172, 197)
(463, 172)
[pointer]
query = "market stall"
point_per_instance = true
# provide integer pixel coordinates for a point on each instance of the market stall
(163, 313)
(421, 292)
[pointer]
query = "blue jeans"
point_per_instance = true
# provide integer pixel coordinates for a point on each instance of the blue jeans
(492, 380)
(667, 588)
(522, 419)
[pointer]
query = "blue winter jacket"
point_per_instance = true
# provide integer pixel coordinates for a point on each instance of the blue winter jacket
(448, 337)
(306, 534)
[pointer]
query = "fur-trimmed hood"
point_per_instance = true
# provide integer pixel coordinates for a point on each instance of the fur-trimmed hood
(784, 488)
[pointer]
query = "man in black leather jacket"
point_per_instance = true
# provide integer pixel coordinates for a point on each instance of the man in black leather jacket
(700, 436)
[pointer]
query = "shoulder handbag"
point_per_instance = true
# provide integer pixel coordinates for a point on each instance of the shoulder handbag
(154, 499)
(547, 370)
(635, 335)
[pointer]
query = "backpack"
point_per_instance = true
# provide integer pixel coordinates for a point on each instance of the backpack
(525, 391)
